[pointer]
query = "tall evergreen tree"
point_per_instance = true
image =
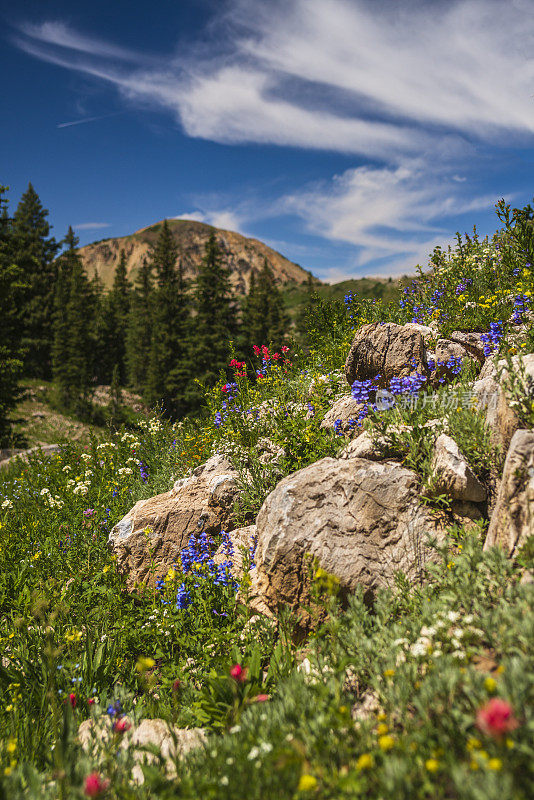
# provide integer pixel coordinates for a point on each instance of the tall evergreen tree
(215, 324)
(168, 372)
(73, 350)
(139, 329)
(11, 288)
(34, 252)
(120, 298)
(264, 317)
(112, 313)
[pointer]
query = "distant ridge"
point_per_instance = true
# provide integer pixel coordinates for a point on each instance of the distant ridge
(241, 254)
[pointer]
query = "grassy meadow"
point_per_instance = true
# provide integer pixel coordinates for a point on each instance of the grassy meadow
(390, 700)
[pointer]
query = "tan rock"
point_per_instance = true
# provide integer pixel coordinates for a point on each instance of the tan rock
(471, 342)
(346, 409)
(156, 530)
(428, 333)
(452, 474)
(446, 350)
(385, 349)
(366, 446)
(492, 396)
(171, 741)
(363, 521)
(512, 521)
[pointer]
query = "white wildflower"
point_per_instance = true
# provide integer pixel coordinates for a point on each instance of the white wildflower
(428, 631)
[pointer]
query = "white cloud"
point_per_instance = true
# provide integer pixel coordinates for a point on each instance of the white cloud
(467, 64)
(89, 226)
(403, 70)
(226, 219)
(57, 34)
(395, 214)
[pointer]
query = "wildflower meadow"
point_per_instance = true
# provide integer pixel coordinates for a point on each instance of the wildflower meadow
(425, 692)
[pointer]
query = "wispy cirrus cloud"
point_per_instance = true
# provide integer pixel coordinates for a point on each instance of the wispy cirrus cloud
(91, 226)
(412, 92)
(84, 120)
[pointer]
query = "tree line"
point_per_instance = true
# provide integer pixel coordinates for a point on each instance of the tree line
(163, 336)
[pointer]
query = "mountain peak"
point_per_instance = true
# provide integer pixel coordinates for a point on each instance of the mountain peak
(241, 254)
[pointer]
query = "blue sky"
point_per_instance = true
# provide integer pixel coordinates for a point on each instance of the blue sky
(351, 135)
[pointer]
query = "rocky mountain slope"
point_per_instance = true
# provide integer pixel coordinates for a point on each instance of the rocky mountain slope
(241, 254)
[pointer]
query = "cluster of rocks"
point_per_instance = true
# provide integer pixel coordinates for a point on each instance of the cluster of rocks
(360, 517)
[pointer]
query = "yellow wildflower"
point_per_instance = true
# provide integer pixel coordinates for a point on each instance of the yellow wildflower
(144, 663)
(473, 744)
(382, 729)
(365, 761)
(386, 742)
(307, 783)
(490, 684)
(432, 764)
(495, 764)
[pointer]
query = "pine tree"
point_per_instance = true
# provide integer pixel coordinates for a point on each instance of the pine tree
(264, 319)
(168, 372)
(73, 350)
(112, 314)
(120, 298)
(11, 288)
(34, 252)
(215, 322)
(139, 329)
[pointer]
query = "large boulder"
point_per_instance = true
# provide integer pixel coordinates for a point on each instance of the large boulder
(154, 531)
(452, 474)
(363, 522)
(512, 521)
(492, 397)
(385, 349)
(347, 410)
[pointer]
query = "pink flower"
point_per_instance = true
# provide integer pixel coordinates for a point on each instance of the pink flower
(496, 718)
(122, 725)
(72, 699)
(276, 356)
(176, 685)
(94, 785)
(261, 698)
(91, 700)
(256, 349)
(285, 349)
(238, 673)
